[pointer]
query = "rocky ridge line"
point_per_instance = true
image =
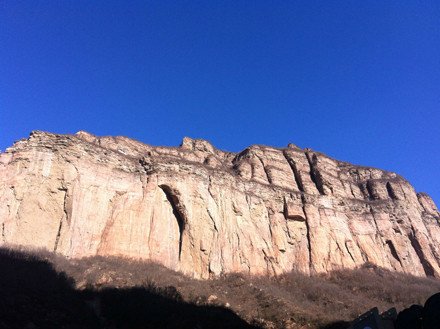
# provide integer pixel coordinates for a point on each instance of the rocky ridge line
(204, 212)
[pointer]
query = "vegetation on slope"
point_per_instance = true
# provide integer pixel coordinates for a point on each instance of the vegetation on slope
(44, 290)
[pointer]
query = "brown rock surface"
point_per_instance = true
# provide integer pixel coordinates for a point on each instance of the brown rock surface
(204, 212)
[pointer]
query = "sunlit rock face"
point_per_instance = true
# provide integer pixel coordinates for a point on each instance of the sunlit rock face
(204, 212)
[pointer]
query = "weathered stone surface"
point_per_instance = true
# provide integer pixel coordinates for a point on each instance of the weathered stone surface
(204, 212)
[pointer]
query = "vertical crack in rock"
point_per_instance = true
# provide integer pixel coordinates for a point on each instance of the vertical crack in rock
(3, 233)
(271, 222)
(405, 197)
(150, 229)
(212, 219)
(351, 191)
(364, 256)
(211, 247)
(57, 239)
(313, 175)
(266, 171)
(309, 244)
(337, 246)
(243, 259)
(349, 252)
(427, 267)
(375, 223)
(248, 201)
(270, 266)
(364, 190)
(391, 191)
(394, 251)
(210, 192)
(109, 224)
(295, 172)
(371, 194)
(174, 201)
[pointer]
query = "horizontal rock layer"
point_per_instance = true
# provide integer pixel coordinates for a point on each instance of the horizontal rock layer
(204, 212)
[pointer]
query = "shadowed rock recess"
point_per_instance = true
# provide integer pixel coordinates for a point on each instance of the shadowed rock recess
(205, 212)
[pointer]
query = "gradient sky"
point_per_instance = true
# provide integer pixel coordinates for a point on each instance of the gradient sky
(358, 80)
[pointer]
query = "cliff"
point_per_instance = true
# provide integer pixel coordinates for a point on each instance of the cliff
(204, 212)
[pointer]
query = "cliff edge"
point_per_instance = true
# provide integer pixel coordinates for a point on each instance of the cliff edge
(205, 212)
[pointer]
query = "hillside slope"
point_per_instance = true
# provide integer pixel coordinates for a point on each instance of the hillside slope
(45, 290)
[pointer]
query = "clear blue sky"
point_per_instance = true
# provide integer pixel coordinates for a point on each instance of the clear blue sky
(358, 80)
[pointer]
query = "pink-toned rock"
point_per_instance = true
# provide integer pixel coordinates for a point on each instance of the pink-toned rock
(294, 211)
(204, 212)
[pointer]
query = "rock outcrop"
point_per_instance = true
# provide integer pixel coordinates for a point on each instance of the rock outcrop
(204, 212)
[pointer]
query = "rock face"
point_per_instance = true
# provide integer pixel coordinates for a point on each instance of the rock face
(204, 212)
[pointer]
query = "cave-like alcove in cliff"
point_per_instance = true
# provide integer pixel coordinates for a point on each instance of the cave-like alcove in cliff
(174, 201)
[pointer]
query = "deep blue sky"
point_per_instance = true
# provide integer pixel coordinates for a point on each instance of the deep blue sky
(358, 80)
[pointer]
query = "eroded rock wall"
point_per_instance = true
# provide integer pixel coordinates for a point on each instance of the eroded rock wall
(204, 212)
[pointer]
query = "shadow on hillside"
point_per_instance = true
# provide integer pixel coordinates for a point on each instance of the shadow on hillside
(33, 295)
(336, 325)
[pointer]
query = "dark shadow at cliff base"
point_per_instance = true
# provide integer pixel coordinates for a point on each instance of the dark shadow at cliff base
(33, 295)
